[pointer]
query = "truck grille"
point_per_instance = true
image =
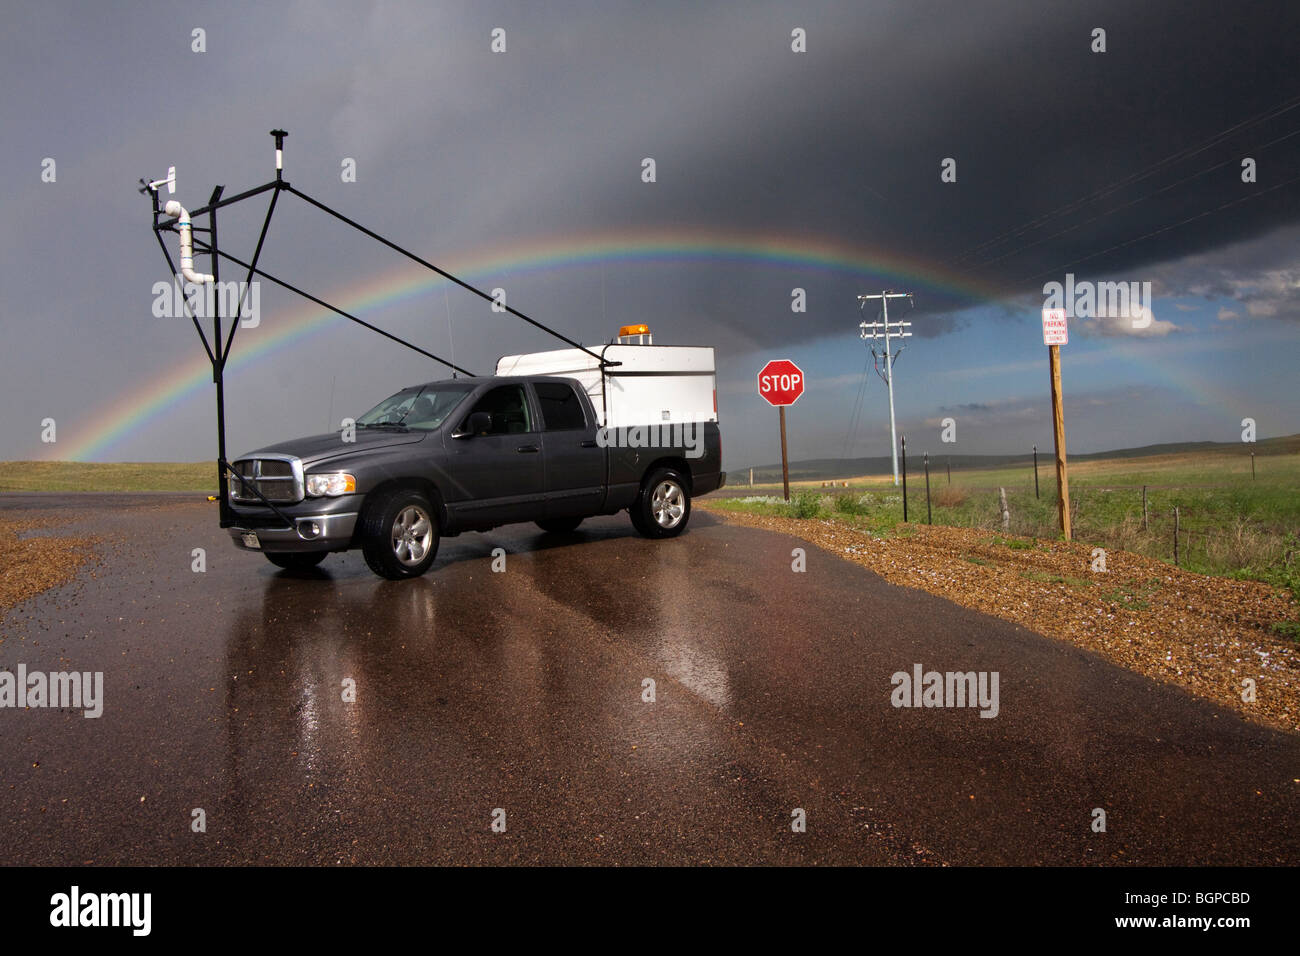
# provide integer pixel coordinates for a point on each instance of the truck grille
(278, 479)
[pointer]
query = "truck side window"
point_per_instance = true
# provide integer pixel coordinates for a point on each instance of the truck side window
(509, 412)
(561, 407)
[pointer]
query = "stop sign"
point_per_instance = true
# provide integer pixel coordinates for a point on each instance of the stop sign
(780, 382)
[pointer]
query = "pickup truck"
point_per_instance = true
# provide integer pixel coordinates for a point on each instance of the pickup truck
(470, 454)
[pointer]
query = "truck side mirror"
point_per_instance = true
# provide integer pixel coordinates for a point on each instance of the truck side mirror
(478, 423)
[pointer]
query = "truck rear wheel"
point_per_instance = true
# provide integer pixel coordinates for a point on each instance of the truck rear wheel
(399, 534)
(296, 560)
(663, 506)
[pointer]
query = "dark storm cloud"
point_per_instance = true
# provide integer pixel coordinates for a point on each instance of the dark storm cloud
(850, 141)
(1062, 153)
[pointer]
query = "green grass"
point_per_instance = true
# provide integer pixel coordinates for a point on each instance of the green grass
(117, 476)
(877, 513)
(1044, 577)
(1230, 524)
(1015, 544)
(1134, 599)
(805, 504)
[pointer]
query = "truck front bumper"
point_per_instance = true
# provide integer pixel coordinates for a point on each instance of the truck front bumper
(323, 532)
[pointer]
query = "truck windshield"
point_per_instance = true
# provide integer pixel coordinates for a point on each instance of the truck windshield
(422, 407)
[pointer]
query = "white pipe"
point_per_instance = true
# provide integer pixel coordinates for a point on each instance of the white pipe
(173, 208)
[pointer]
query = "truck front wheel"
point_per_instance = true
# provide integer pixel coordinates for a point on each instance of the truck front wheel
(663, 507)
(399, 534)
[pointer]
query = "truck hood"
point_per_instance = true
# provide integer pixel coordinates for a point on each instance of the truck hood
(316, 448)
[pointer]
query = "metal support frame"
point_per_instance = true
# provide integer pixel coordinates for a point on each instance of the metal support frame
(222, 340)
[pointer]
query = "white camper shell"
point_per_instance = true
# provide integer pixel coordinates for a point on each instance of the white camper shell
(651, 385)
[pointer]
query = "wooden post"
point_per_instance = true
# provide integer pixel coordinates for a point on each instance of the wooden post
(1006, 512)
(751, 477)
(950, 469)
(1035, 471)
(929, 517)
(785, 463)
(1058, 425)
(1175, 534)
(1252, 466)
(1144, 508)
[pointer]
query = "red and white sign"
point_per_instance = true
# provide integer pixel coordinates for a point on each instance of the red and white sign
(780, 382)
(1054, 328)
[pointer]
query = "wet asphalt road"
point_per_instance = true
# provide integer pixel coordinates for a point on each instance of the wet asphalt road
(522, 690)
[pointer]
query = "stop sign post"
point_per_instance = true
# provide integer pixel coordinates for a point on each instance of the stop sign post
(780, 383)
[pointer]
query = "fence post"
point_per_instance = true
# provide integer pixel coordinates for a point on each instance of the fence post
(1144, 508)
(929, 517)
(903, 440)
(950, 469)
(1035, 471)
(1252, 466)
(1175, 534)
(1006, 513)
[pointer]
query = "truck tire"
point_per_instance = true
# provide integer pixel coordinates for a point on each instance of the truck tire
(296, 560)
(399, 534)
(663, 506)
(559, 525)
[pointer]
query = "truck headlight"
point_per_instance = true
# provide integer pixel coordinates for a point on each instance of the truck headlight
(331, 484)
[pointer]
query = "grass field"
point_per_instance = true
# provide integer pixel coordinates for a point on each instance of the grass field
(115, 476)
(1229, 523)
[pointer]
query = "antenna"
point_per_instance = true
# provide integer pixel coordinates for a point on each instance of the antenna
(169, 182)
(887, 330)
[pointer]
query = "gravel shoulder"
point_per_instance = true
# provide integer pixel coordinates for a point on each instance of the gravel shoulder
(34, 557)
(1208, 635)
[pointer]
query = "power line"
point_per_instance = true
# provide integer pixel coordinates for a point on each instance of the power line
(1185, 153)
(856, 413)
(1131, 202)
(1156, 232)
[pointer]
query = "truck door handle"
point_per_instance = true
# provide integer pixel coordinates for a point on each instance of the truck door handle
(525, 449)
(587, 443)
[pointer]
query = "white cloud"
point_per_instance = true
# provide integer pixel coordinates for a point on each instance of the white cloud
(1144, 325)
(1257, 277)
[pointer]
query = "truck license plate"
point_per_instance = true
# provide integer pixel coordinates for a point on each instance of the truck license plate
(250, 540)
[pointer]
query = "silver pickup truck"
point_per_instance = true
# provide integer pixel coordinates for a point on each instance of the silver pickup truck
(464, 454)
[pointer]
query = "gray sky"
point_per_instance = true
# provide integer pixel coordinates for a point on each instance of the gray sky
(774, 170)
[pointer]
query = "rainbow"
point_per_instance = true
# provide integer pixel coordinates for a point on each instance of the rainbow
(152, 401)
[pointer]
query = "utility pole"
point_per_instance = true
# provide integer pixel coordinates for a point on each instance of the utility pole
(1058, 425)
(1055, 334)
(897, 330)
